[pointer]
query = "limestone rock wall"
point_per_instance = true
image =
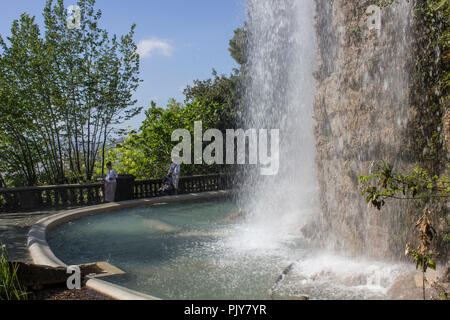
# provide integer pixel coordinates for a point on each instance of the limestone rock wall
(362, 111)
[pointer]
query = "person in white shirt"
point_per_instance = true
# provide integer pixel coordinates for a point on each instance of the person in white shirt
(175, 171)
(110, 183)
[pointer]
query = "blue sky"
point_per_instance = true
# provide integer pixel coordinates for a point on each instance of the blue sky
(179, 40)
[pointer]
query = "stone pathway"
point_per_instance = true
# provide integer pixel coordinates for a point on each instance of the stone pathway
(14, 228)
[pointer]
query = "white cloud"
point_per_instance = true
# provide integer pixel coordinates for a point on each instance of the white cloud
(147, 47)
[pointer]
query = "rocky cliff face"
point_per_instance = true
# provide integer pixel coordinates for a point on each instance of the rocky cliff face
(364, 108)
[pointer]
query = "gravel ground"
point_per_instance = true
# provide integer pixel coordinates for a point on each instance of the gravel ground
(61, 293)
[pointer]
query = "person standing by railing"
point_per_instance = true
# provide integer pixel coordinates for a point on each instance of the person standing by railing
(110, 183)
(175, 171)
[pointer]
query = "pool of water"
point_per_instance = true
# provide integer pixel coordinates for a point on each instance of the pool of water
(192, 250)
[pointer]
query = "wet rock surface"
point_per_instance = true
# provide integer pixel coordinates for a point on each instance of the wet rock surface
(363, 110)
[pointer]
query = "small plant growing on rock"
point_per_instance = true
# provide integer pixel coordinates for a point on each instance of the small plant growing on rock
(383, 183)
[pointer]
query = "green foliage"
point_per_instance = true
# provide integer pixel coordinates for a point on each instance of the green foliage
(383, 183)
(432, 78)
(10, 287)
(431, 96)
(128, 157)
(238, 46)
(215, 101)
(61, 93)
(423, 261)
(446, 237)
(385, 3)
(422, 256)
(220, 90)
(147, 153)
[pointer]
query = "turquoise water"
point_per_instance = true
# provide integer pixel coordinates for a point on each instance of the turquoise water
(190, 250)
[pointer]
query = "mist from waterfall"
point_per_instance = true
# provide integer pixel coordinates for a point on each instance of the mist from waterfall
(279, 95)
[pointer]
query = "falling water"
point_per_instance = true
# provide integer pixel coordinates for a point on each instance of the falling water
(280, 93)
(359, 112)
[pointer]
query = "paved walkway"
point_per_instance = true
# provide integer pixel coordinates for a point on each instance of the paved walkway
(14, 228)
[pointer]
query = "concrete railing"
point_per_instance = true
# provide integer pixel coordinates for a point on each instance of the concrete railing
(75, 195)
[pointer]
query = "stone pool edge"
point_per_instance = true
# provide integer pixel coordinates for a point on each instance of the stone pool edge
(42, 254)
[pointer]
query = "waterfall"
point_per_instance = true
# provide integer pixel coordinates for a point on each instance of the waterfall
(339, 94)
(279, 95)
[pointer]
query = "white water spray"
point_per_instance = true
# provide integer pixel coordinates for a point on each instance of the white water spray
(279, 95)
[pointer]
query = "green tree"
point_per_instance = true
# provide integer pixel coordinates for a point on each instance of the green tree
(221, 91)
(63, 94)
(147, 153)
(238, 46)
(21, 144)
(215, 101)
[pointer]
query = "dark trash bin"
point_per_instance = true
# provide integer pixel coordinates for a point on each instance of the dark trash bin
(125, 187)
(30, 199)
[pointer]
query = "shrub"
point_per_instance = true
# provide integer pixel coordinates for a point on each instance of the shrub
(10, 287)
